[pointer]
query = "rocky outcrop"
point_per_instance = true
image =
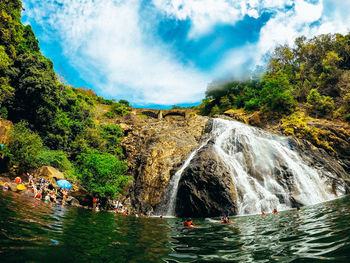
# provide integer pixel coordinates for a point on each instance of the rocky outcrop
(154, 150)
(49, 172)
(206, 188)
(320, 159)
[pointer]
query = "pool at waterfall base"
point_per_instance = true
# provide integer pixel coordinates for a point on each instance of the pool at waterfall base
(32, 231)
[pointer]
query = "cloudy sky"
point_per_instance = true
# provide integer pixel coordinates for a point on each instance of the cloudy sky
(165, 52)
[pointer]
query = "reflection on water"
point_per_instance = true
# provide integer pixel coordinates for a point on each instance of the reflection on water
(32, 231)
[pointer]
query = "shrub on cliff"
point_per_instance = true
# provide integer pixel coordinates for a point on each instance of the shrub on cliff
(102, 173)
(24, 147)
(320, 104)
(56, 159)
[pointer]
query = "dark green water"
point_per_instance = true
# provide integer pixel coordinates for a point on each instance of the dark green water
(32, 231)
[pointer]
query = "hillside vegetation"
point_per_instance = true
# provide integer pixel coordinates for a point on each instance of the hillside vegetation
(54, 122)
(314, 74)
(305, 92)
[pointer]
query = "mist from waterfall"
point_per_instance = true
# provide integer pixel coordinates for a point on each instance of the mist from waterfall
(259, 161)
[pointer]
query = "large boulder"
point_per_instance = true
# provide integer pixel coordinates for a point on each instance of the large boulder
(49, 172)
(206, 188)
(13, 187)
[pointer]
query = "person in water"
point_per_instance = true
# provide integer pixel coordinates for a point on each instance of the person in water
(262, 213)
(275, 211)
(189, 223)
(38, 195)
(225, 220)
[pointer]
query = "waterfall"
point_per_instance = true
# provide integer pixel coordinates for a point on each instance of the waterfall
(168, 208)
(257, 161)
(266, 171)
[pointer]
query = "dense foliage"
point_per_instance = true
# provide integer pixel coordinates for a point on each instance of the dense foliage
(54, 122)
(101, 173)
(314, 73)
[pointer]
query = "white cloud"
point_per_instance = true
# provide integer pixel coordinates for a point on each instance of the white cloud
(106, 39)
(114, 49)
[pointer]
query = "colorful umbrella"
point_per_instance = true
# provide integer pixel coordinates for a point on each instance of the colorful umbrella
(64, 184)
(21, 187)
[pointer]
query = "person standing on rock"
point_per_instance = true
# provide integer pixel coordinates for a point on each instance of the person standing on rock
(94, 203)
(6, 186)
(18, 180)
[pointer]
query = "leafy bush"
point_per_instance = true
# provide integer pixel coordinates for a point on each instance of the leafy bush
(109, 115)
(124, 102)
(320, 104)
(276, 94)
(252, 104)
(119, 109)
(24, 147)
(102, 173)
(56, 159)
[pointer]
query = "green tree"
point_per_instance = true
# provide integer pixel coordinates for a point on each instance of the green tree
(276, 94)
(125, 103)
(320, 104)
(119, 109)
(24, 147)
(57, 159)
(102, 173)
(225, 103)
(215, 110)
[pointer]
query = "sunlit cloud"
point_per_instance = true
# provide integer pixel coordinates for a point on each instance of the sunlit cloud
(115, 46)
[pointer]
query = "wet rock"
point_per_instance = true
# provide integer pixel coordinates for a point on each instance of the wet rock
(320, 159)
(13, 187)
(206, 188)
(82, 196)
(27, 193)
(74, 202)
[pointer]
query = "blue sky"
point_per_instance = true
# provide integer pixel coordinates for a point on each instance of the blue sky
(164, 52)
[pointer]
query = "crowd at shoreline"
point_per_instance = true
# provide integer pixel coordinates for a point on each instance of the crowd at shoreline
(40, 188)
(43, 190)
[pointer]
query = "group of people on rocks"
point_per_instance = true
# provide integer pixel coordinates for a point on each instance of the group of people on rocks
(41, 188)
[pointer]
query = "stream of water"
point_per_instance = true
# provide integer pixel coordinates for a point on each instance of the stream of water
(32, 231)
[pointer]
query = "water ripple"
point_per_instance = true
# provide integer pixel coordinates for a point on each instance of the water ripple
(38, 232)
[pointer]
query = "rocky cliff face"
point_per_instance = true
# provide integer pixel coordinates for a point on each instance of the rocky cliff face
(206, 188)
(154, 150)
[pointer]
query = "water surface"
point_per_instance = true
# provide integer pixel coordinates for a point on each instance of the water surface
(32, 231)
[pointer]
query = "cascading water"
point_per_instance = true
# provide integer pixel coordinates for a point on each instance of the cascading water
(168, 208)
(266, 172)
(256, 158)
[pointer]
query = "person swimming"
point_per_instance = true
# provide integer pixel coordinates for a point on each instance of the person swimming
(225, 220)
(189, 223)
(275, 211)
(262, 213)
